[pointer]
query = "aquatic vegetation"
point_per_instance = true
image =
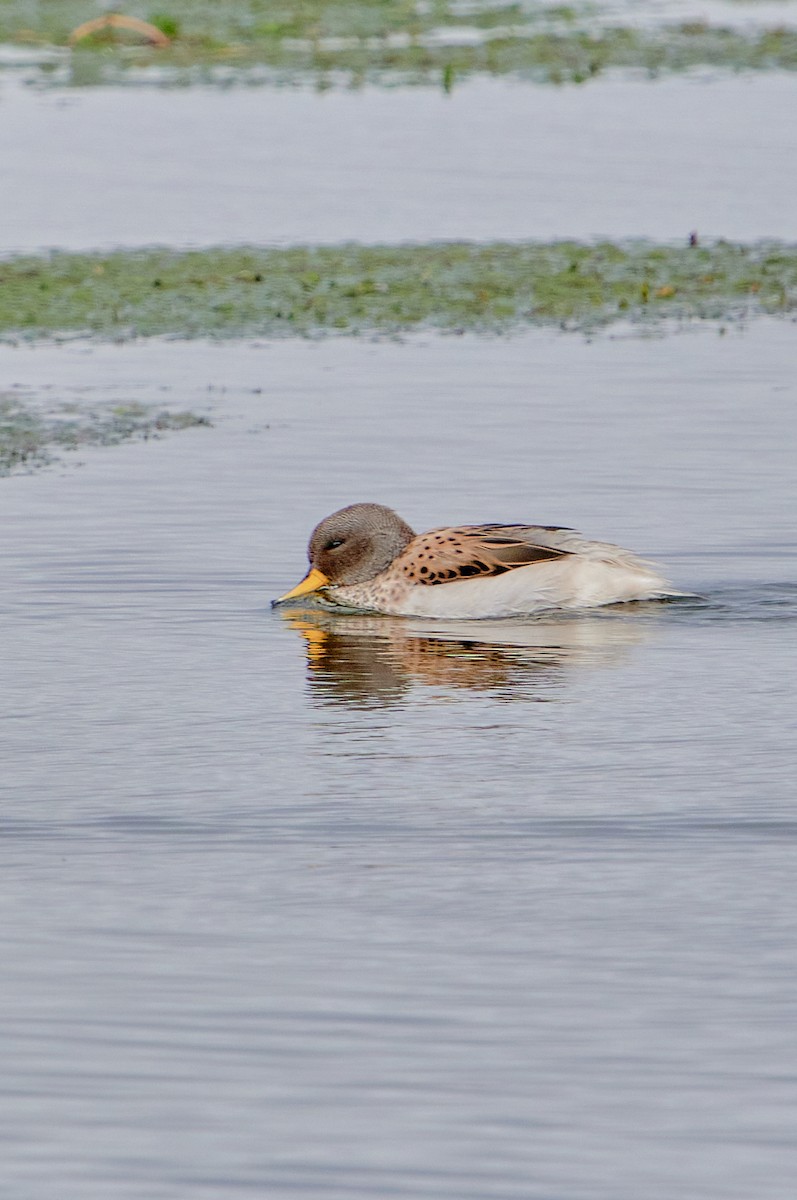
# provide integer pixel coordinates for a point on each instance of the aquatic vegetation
(355, 41)
(32, 438)
(355, 289)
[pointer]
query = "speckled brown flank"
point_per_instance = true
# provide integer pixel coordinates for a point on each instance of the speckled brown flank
(467, 552)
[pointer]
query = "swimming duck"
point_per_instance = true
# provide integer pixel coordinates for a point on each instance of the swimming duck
(365, 557)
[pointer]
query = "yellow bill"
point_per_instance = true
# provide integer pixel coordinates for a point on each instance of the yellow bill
(313, 580)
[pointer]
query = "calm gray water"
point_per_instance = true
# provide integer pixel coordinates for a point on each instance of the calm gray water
(496, 159)
(327, 907)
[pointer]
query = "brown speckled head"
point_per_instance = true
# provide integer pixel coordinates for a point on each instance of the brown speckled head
(357, 543)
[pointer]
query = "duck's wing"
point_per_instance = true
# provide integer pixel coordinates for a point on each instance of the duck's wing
(445, 555)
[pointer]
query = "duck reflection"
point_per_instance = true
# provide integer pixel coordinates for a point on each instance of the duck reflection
(365, 660)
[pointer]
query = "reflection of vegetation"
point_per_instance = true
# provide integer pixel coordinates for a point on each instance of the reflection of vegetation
(453, 286)
(409, 39)
(30, 439)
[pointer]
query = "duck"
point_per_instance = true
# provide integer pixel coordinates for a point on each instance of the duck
(366, 558)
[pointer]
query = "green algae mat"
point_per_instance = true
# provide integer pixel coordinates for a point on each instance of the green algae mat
(355, 289)
(30, 439)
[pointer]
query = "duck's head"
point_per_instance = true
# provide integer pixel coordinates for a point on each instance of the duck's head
(352, 545)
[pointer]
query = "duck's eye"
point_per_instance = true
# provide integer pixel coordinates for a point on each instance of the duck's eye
(333, 545)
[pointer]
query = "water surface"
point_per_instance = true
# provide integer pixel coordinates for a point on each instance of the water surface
(619, 158)
(300, 905)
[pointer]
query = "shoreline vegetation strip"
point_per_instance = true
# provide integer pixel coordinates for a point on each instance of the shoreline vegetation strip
(359, 41)
(356, 289)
